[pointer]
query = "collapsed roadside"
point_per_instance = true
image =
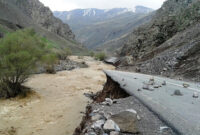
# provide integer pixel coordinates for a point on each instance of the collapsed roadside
(114, 112)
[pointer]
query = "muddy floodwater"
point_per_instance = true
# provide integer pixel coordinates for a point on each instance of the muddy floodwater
(55, 108)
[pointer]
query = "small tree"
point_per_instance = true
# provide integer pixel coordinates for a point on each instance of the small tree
(20, 53)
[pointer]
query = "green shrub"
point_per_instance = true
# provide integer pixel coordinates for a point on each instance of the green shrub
(100, 56)
(20, 53)
(49, 61)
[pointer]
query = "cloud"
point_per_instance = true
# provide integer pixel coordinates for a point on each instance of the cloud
(62, 5)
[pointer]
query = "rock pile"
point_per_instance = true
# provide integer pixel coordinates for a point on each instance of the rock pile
(125, 116)
(103, 123)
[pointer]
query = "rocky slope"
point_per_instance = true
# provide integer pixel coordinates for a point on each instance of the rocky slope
(168, 45)
(17, 14)
(94, 27)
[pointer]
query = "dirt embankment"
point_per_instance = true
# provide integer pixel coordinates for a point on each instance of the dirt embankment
(55, 108)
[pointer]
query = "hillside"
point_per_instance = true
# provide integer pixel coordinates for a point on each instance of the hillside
(170, 39)
(94, 27)
(18, 14)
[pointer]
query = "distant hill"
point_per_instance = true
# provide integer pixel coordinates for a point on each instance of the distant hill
(18, 14)
(94, 27)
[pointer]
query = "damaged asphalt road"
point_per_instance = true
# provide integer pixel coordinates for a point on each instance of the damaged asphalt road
(181, 112)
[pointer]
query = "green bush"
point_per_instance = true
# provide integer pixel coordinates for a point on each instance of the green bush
(49, 61)
(100, 56)
(20, 53)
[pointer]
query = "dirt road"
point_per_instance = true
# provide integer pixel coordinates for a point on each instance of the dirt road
(56, 106)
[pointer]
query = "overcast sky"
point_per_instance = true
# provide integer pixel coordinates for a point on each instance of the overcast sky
(66, 5)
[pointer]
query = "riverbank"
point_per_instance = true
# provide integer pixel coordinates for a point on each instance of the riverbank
(56, 105)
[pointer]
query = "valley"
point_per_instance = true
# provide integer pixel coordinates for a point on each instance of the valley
(97, 70)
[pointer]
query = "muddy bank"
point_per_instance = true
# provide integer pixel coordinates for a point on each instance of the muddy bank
(100, 112)
(68, 64)
(56, 106)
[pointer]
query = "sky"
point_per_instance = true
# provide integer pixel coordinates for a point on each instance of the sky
(66, 5)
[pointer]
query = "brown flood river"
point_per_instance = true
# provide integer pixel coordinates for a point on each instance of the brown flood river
(56, 106)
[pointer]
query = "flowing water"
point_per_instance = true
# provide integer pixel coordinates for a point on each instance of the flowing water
(55, 108)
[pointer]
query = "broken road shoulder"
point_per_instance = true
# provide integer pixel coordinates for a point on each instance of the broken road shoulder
(125, 115)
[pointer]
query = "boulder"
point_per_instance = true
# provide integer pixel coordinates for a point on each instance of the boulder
(138, 69)
(132, 111)
(110, 125)
(164, 83)
(156, 86)
(127, 121)
(98, 124)
(96, 111)
(124, 85)
(164, 69)
(185, 85)
(97, 117)
(138, 117)
(139, 90)
(164, 128)
(91, 133)
(151, 81)
(177, 93)
(114, 133)
(108, 101)
(195, 95)
(147, 87)
(107, 115)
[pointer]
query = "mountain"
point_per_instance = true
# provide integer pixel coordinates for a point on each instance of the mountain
(112, 47)
(169, 44)
(18, 14)
(94, 27)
